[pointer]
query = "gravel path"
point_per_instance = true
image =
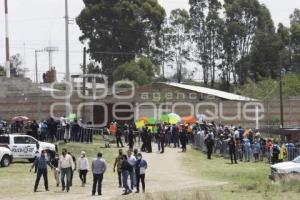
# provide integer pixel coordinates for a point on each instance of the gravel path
(165, 173)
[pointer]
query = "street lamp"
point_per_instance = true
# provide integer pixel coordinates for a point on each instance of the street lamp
(36, 65)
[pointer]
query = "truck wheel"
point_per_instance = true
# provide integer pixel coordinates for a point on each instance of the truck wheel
(5, 162)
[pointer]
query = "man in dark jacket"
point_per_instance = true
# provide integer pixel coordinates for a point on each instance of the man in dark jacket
(148, 142)
(144, 136)
(183, 138)
(41, 163)
(209, 145)
(232, 150)
(140, 170)
(131, 138)
(52, 127)
(34, 129)
(162, 136)
(119, 137)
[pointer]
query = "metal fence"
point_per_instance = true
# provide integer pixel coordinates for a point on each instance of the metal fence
(82, 135)
(221, 148)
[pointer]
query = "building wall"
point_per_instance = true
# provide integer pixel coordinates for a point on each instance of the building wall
(37, 105)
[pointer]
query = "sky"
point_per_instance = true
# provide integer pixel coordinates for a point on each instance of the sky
(36, 24)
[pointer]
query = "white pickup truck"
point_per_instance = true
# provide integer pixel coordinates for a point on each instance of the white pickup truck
(25, 146)
(285, 168)
(5, 157)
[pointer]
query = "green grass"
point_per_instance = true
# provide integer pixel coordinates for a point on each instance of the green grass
(244, 180)
(16, 180)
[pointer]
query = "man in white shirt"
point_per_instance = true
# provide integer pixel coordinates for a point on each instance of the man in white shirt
(83, 167)
(65, 166)
(132, 161)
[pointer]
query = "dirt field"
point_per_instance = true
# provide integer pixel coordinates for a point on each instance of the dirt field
(166, 173)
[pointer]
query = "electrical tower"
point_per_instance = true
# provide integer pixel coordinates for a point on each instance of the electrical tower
(50, 51)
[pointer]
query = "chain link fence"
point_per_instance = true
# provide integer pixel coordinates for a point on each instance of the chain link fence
(221, 148)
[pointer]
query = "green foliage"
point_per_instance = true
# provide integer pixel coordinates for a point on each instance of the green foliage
(178, 37)
(295, 17)
(141, 72)
(269, 88)
(2, 71)
(119, 30)
(207, 30)
(15, 63)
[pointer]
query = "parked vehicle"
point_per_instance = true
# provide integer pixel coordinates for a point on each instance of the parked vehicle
(5, 156)
(25, 146)
(280, 170)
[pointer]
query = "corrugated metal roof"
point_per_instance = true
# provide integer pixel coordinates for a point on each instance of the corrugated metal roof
(209, 91)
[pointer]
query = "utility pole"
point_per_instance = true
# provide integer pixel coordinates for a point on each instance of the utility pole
(282, 71)
(84, 70)
(83, 83)
(67, 57)
(7, 40)
(36, 66)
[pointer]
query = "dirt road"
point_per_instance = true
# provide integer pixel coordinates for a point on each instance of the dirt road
(165, 173)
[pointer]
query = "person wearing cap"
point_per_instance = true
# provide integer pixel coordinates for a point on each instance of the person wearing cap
(83, 168)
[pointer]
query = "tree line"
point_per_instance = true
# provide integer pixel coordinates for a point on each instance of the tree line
(230, 42)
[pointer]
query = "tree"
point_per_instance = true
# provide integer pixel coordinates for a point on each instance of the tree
(141, 72)
(93, 68)
(198, 29)
(269, 88)
(165, 48)
(264, 58)
(295, 47)
(214, 37)
(117, 31)
(15, 62)
(295, 17)
(241, 24)
(2, 71)
(179, 35)
(207, 29)
(286, 50)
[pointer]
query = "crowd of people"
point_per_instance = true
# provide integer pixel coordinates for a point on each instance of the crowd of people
(51, 130)
(242, 144)
(130, 166)
(237, 143)
(162, 134)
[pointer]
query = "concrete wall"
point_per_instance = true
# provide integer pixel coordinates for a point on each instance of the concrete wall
(21, 97)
